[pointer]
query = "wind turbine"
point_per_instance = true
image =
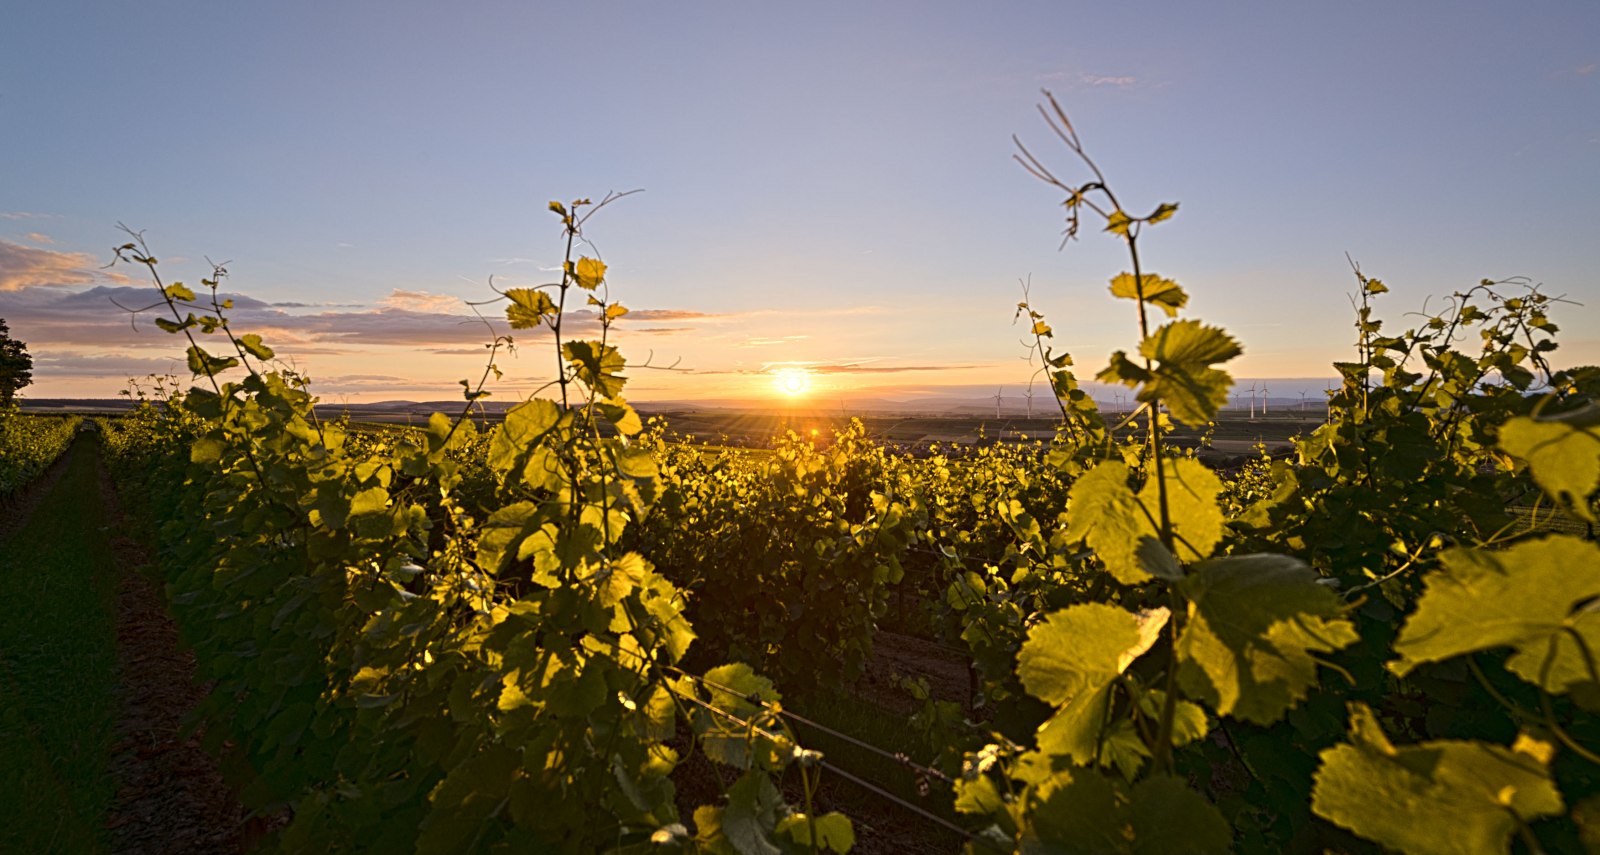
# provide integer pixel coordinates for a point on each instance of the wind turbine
(1029, 395)
(997, 401)
(1263, 400)
(1252, 401)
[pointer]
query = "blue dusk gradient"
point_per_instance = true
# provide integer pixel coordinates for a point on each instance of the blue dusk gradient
(826, 184)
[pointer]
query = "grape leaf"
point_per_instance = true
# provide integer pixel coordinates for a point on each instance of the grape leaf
(1080, 810)
(1563, 452)
(588, 273)
(1529, 596)
(1449, 797)
(1116, 523)
(1254, 623)
(834, 832)
(1070, 661)
(1163, 212)
(525, 427)
(253, 346)
(1159, 291)
(1104, 513)
(751, 815)
(598, 365)
(529, 307)
(1184, 380)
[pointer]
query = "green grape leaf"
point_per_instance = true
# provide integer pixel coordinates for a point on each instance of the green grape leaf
(525, 427)
(1083, 647)
(207, 450)
(1254, 623)
(1449, 797)
(1120, 369)
(978, 795)
(752, 814)
(597, 364)
(466, 799)
(636, 463)
(1076, 808)
(1118, 223)
(528, 308)
(1184, 380)
(725, 740)
(179, 291)
(1532, 596)
(1080, 810)
(1188, 719)
(1120, 525)
(1165, 293)
(201, 362)
(1197, 521)
(253, 346)
(1104, 513)
(1163, 212)
(743, 680)
(1168, 817)
(588, 273)
(1070, 660)
(621, 415)
(1563, 453)
(708, 836)
(834, 832)
(370, 501)
(175, 327)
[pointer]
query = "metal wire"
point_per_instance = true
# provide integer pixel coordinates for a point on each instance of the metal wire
(864, 784)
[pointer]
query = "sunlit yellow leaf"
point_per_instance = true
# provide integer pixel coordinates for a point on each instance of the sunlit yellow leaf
(588, 273)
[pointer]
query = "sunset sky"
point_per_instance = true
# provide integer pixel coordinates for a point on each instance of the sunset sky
(826, 185)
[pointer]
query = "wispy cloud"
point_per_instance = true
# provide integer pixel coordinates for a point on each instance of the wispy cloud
(1116, 81)
(26, 266)
(89, 320)
(1084, 78)
(1586, 70)
(770, 342)
(25, 215)
(665, 315)
(851, 368)
(48, 364)
(421, 301)
(39, 237)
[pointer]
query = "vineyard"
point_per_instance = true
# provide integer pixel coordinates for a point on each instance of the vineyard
(28, 444)
(576, 631)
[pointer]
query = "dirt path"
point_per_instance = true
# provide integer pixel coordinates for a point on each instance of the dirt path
(170, 796)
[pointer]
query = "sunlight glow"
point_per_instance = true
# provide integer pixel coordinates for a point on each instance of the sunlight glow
(792, 381)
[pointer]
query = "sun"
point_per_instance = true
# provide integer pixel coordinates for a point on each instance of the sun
(792, 381)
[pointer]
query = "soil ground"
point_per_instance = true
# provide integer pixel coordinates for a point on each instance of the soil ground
(165, 792)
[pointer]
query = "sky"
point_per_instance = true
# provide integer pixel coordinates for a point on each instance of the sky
(826, 185)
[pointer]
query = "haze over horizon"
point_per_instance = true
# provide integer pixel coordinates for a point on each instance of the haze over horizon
(827, 187)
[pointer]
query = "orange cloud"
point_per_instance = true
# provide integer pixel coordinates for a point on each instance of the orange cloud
(26, 266)
(421, 301)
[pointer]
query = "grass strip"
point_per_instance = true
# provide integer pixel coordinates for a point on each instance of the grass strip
(58, 669)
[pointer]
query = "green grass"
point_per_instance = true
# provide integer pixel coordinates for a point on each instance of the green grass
(58, 670)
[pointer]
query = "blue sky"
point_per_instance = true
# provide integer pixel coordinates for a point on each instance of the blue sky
(826, 184)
